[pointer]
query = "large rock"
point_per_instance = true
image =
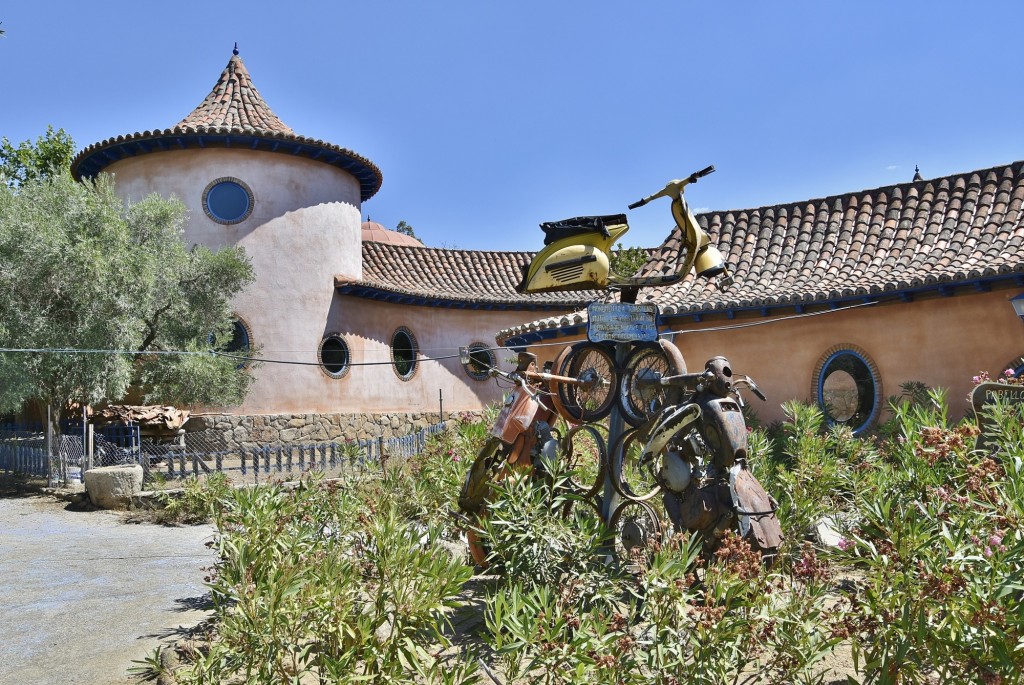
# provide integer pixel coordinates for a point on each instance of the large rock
(113, 487)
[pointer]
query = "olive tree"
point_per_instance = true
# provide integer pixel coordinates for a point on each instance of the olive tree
(109, 299)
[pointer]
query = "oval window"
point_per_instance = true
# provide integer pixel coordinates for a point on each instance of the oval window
(334, 356)
(239, 343)
(227, 201)
(481, 359)
(848, 388)
(403, 353)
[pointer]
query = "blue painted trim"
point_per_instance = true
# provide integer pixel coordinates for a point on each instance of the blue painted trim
(901, 295)
(821, 387)
(369, 292)
(92, 164)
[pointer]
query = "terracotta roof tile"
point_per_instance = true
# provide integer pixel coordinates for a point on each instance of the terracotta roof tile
(469, 276)
(860, 243)
(234, 103)
(234, 113)
(949, 230)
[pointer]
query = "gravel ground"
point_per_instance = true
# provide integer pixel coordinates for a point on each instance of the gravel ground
(84, 594)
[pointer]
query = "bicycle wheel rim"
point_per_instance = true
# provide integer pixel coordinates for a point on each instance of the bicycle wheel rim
(637, 532)
(554, 386)
(585, 456)
(637, 400)
(635, 475)
(591, 401)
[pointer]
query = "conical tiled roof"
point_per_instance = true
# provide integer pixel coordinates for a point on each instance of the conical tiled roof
(233, 115)
(235, 103)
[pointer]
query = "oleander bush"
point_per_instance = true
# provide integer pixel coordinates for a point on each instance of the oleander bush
(356, 579)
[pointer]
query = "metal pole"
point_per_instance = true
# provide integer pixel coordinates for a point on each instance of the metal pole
(616, 427)
(51, 462)
(440, 405)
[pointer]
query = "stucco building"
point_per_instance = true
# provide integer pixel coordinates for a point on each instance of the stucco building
(842, 299)
(367, 322)
(359, 326)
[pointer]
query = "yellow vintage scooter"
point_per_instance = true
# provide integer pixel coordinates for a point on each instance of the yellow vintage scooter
(576, 252)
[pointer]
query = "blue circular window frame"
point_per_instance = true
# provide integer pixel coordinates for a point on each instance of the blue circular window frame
(818, 384)
(250, 201)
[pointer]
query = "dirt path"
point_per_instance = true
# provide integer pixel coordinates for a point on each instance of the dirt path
(83, 594)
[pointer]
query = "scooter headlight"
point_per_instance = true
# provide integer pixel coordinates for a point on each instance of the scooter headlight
(709, 262)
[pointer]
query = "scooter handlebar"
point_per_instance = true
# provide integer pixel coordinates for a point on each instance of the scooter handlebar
(702, 173)
(674, 188)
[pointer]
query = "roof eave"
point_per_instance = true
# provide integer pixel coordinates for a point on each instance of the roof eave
(516, 338)
(374, 292)
(95, 158)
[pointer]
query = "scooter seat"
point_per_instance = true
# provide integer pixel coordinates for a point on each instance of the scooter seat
(579, 225)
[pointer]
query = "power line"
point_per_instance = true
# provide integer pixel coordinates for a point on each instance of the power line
(246, 359)
(212, 353)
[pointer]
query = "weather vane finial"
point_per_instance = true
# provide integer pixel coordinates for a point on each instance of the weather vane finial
(235, 51)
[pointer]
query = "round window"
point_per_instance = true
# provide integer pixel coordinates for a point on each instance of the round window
(481, 359)
(848, 388)
(403, 353)
(227, 200)
(238, 344)
(334, 356)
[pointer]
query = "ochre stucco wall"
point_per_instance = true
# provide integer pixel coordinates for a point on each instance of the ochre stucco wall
(940, 341)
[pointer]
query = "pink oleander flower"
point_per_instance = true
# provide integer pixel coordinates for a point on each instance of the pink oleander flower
(987, 552)
(455, 457)
(995, 539)
(845, 544)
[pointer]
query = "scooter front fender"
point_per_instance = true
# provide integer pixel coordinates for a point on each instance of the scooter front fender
(755, 510)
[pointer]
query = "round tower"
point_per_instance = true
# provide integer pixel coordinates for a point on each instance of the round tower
(248, 179)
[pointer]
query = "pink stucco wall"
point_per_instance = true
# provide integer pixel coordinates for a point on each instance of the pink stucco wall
(305, 230)
(368, 326)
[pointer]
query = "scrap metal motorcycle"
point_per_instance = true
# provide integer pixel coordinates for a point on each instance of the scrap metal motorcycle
(524, 430)
(691, 448)
(689, 437)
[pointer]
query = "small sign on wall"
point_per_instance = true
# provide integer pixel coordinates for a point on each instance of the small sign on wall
(986, 394)
(619, 322)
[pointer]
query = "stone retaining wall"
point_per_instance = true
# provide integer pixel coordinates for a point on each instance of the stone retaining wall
(277, 429)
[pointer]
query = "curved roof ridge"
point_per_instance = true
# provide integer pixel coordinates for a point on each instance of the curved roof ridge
(234, 103)
(903, 187)
(454, 275)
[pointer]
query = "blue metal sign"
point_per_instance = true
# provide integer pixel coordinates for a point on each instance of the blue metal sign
(617, 322)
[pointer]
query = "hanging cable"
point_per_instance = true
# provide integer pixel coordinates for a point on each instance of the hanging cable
(215, 353)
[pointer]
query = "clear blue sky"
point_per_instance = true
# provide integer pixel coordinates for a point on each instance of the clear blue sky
(487, 118)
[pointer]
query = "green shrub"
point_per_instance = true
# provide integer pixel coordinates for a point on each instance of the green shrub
(313, 585)
(200, 499)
